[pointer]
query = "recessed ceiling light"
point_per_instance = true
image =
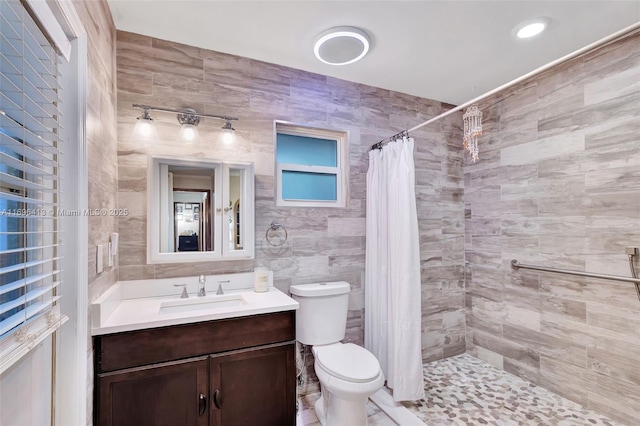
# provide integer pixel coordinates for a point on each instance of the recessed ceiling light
(531, 28)
(341, 45)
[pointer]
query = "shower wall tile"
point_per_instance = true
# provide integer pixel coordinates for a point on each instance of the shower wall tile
(564, 379)
(612, 86)
(606, 393)
(492, 358)
(323, 244)
(565, 328)
(541, 149)
(563, 149)
(621, 324)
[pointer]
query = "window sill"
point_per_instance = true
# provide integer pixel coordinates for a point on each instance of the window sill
(19, 343)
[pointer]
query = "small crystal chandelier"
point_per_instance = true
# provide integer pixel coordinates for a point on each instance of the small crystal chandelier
(472, 119)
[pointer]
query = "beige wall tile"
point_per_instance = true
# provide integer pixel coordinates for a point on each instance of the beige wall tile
(323, 244)
(542, 149)
(567, 170)
(491, 357)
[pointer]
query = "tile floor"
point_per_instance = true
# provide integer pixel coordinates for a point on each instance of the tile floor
(464, 390)
(307, 415)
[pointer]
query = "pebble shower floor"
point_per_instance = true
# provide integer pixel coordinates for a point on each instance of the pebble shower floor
(464, 390)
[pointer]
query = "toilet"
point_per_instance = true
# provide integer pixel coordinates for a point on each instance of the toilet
(348, 373)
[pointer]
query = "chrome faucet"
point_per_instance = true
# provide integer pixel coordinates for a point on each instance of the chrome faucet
(201, 292)
(184, 294)
(220, 291)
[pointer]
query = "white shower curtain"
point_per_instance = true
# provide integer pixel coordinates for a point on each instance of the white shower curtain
(393, 315)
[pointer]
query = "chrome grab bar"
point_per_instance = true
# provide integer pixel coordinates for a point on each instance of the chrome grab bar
(516, 265)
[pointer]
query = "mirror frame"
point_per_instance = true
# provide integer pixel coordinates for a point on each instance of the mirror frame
(220, 240)
(247, 197)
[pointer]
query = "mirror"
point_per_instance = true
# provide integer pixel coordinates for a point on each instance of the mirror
(234, 212)
(189, 191)
(199, 209)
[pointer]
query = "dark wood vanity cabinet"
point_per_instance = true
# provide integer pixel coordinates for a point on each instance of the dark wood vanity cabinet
(161, 395)
(253, 387)
(237, 371)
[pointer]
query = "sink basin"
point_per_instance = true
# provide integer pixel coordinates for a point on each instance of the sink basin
(209, 303)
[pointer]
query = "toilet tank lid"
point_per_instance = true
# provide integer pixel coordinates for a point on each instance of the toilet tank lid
(320, 289)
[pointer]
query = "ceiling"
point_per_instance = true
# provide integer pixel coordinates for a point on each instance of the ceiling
(451, 51)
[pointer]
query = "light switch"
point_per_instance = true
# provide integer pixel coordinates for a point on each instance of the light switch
(112, 248)
(114, 243)
(110, 255)
(99, 258)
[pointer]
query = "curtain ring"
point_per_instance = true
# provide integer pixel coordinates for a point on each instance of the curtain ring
(274, 227)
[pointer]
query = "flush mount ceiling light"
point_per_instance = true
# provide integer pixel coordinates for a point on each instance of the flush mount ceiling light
(189, 118)
(341, 45)
(531, 28)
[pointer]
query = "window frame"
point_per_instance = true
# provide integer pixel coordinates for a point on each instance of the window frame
(69, 344)
(341, 170)
(19, 340)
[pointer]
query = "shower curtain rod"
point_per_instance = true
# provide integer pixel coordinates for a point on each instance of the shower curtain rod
(612, 37)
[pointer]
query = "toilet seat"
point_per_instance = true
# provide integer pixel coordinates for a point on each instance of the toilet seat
(348, 362)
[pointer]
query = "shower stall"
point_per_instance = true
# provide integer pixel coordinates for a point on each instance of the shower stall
(557, 187)
(529, 255)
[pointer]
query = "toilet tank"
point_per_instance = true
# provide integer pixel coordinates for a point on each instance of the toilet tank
(321, 318)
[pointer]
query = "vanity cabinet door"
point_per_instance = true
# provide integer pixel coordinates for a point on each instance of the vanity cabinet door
(254, 386)
(168, 394)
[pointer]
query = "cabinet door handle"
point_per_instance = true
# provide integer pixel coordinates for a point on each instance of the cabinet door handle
(202, 404)
(217, 400)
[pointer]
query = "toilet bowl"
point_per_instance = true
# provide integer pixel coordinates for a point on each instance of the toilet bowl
(348, 373)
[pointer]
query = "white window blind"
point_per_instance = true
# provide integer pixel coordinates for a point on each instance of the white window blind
(29, 181)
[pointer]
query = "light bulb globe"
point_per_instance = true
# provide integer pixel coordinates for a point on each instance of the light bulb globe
(188, 134)
(145, 131)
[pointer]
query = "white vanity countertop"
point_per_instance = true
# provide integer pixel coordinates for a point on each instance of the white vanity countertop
(136, 305)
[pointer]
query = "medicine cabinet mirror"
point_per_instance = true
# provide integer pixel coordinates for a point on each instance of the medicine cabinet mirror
(199, 210)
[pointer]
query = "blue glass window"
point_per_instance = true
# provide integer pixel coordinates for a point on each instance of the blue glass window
(307, 151)
(309, 186)
(310, 166)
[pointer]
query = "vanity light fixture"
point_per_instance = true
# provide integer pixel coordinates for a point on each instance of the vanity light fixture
(227, 134)
(189, 118)
(188, 131)
(531, 28)
(341, 45)
(145, 130)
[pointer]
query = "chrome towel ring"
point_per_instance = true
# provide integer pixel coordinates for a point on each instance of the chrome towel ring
(272, 229)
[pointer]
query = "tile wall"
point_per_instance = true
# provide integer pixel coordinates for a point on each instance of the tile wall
(323, 244)
(101, 128)
(558, 184)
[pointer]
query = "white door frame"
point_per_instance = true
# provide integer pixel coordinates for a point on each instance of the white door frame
(72, 346)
